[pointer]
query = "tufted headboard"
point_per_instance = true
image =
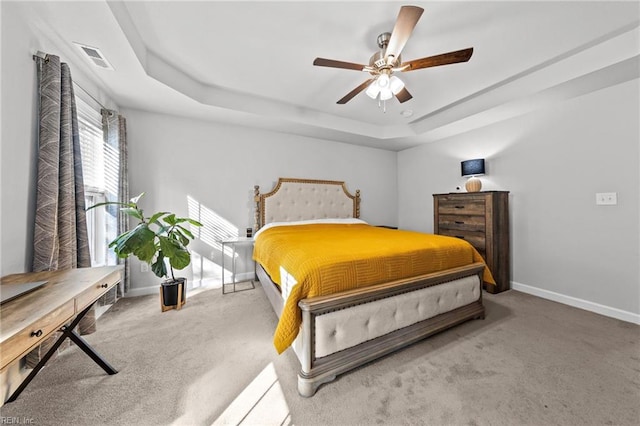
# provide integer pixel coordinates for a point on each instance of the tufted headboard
(305, 199)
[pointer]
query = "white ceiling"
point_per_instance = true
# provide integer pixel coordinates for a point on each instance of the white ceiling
(250, 63)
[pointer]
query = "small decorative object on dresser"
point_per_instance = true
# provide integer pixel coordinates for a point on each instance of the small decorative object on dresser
(472, 169)
(482, 219)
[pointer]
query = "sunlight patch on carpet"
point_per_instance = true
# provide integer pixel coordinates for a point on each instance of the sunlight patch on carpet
(261, 402)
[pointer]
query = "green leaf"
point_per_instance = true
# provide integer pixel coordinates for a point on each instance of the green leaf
(143, 233)
(158, 267)
(170, 219)
(186, 232)
(132, 212)
(163, 229)
(139, 242)
(169, 246)
(194, 222)
(180, 259)
(186, 219)
(119, 238)
(145, 252)
(120, 244)
(155, 217)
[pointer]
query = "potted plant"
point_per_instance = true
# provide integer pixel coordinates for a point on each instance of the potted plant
(156, 240)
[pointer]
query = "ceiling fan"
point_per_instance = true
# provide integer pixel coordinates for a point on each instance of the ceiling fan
(383, 85)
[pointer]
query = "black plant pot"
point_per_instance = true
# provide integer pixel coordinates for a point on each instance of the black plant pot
(170, 291)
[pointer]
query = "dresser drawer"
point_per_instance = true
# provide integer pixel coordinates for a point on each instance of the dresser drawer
(461, 222)
(453, 206)
(23, 341)
(92, 294)
(476, 239)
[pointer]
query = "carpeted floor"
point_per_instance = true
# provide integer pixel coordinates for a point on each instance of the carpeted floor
(530, 362)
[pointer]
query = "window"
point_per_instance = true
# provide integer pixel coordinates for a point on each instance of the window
(100, 163)
(96, 228)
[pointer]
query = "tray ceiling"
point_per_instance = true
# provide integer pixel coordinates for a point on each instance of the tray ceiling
(250, 63)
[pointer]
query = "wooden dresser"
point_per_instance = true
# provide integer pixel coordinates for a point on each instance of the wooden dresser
(482, 219)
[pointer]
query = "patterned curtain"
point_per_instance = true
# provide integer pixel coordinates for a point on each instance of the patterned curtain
(60, 232)
(114, 128)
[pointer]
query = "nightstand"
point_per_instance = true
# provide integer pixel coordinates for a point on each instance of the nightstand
(234, 243)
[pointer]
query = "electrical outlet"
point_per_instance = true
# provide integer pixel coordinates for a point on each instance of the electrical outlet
(607, 198)
(144, 267)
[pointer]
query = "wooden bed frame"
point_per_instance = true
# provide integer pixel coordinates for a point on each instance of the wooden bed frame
(411, 309)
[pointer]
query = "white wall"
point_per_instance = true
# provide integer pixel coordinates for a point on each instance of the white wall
(18, 148)
(21, 37)
(553, 162)
(175, 158)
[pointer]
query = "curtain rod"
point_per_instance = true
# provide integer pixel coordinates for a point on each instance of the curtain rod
(43, 56)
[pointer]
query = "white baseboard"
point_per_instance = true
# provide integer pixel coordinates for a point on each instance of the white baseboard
(578, 303)
(145, 291)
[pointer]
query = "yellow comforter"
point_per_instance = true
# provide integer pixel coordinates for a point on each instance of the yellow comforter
(329, 258)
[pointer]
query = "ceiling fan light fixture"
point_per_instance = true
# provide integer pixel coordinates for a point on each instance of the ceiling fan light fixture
(385, 94)
(383, 81)
(396, 85)
(373, 90)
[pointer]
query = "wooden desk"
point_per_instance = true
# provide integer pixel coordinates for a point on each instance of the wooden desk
(57, 306)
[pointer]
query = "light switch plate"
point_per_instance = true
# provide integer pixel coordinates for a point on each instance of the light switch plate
(607, 198)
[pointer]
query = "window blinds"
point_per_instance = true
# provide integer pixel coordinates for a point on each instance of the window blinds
(91, 146)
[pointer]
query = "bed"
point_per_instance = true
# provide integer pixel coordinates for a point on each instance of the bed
(337, 322)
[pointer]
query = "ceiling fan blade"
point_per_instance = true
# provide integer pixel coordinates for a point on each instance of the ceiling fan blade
(354, 92)
(403, 95)
(405, 23)
(322, 62)
(433, 61)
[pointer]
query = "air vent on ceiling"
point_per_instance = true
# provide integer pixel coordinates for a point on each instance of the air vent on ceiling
(95, 56)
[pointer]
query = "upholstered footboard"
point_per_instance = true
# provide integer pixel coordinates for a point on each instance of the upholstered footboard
(343, 331)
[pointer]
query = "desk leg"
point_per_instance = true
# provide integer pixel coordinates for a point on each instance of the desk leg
(82, 344)
(67, 331)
